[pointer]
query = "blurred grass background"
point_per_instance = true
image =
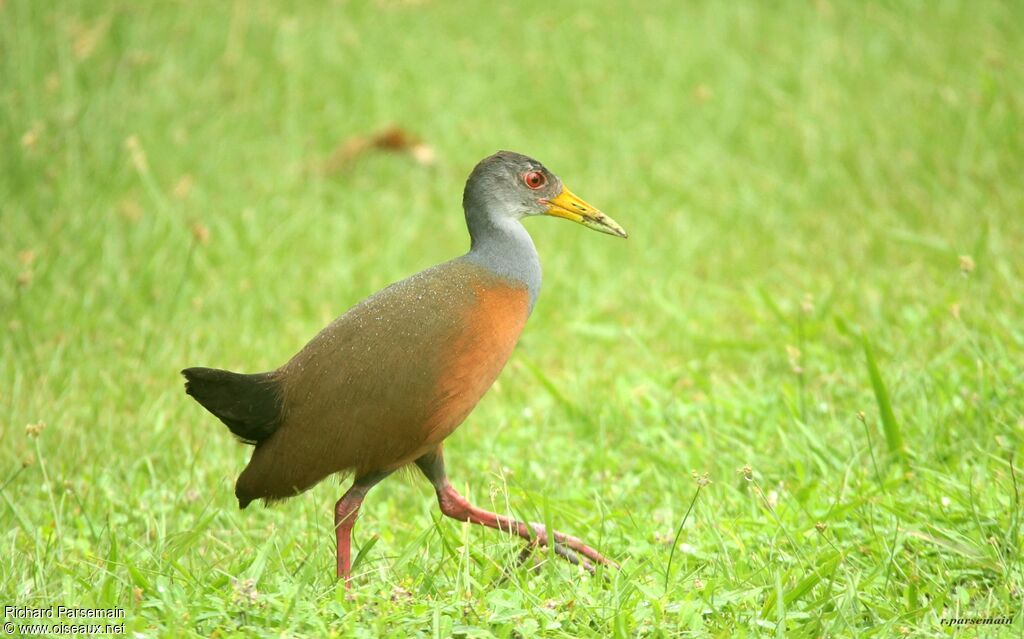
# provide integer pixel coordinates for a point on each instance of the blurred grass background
(797, 178)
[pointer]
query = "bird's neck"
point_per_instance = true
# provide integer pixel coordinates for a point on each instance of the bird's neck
(502, 245)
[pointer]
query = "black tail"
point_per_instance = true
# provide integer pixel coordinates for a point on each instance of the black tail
(250, 405)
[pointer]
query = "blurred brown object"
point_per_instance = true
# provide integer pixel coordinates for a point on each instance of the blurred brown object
(393, 139)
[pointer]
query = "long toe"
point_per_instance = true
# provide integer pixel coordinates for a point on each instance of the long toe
(573, 558)
(573, 543)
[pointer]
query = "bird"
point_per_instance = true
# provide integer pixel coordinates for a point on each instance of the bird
(384, 384)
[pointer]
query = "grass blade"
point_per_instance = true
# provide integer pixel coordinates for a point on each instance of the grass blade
(364, 552)
(893, 437)
(804, 586)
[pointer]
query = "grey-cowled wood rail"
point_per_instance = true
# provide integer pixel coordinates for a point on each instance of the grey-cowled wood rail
(384, 384)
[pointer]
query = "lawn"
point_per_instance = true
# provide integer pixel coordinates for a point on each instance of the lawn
(818, 310)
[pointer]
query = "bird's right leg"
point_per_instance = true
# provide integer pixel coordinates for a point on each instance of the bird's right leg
(458, 507)
(345, 513)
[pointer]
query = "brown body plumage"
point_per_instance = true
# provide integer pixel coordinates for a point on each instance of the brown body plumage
(389, 380)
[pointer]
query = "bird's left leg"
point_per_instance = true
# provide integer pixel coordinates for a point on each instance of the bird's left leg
(345, 513)
(458, 507)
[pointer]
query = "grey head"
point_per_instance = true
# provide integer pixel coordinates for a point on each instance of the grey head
(503, 189)
(511, 186)
(506, 186)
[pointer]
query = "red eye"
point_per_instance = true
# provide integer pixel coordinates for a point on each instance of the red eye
(535, 179)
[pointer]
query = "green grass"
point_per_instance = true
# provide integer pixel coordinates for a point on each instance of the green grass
(799, 181)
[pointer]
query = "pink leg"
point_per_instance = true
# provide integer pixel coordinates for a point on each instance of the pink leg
(458, 507)
(345, 513)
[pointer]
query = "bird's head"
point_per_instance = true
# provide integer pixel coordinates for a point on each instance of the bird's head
(509, 184)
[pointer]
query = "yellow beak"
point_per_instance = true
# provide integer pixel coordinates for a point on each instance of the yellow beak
(571, 207)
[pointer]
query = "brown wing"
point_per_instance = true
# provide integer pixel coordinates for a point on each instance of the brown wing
(389, 379)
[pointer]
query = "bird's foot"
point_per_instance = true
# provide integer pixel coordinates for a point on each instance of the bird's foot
(565, 553)
(572, 549)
